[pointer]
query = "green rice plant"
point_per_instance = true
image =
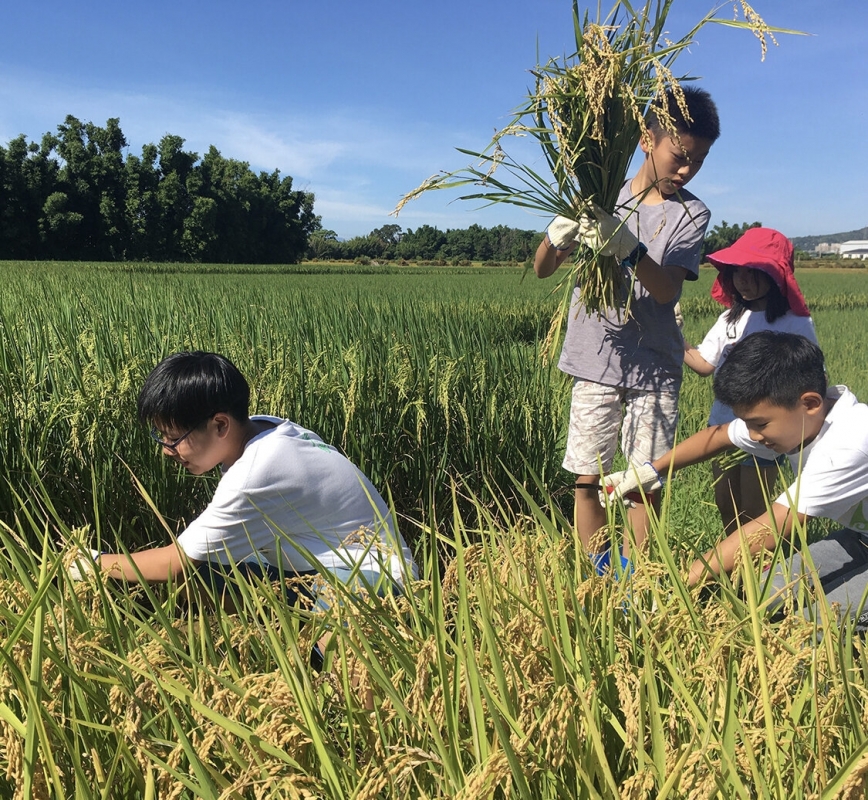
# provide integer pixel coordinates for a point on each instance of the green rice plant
(510, 669)
(418, 378)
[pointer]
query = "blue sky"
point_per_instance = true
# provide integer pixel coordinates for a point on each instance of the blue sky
(360, 102)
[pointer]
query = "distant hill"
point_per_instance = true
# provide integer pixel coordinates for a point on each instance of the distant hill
(808, 243)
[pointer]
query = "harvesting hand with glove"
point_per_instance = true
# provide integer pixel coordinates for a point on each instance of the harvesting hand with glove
(607, 234)
(563, 233)
(561, 238)
(636, 478)
(610, 236)
(83, 565)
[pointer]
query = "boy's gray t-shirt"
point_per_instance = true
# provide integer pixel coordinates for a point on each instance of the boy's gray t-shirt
(646, 350)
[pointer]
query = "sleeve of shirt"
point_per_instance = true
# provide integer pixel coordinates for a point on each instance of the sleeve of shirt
(830, 484)
(713, 343)
(805, 327)
(229, 528)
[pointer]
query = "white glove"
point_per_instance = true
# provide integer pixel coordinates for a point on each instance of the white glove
(606, 234)
(563, 232)
(607, 497)
(632, 479)
(83, 565)
(679, 318)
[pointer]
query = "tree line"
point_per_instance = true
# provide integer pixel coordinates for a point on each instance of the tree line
(76, 196)
(499, 244)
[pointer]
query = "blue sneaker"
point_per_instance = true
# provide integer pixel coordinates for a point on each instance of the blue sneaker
(601, 562)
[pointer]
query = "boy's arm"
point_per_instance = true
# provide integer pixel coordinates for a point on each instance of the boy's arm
(548, 258)
(156, 565)
(662, 283)
(695, 361)
(648, 477)
(700, 447)
(760, 533)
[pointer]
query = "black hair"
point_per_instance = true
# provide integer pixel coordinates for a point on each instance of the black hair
(702, 120)
(186, 389)
(770, 366)
(776, 304)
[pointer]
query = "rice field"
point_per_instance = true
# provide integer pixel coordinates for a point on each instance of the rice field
(509, 671)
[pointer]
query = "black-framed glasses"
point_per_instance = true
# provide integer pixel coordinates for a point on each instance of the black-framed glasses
(155, 435)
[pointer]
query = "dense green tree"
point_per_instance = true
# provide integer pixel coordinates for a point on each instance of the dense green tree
(425, 243)
(384, 241)
(28, 177)
(174, 204)
(323, 245)
(142, 181)
(289, 220)
(362, 247)
(76, 196)
(86, 217)
(388, 234)
(500, 244)
(723, 235)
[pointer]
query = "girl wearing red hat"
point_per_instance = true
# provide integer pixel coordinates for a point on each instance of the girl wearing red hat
(756, 282)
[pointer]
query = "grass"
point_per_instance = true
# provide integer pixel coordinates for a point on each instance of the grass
(510, 670)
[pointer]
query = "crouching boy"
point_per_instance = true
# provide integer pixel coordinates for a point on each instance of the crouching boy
(776, 385)
(287, 504)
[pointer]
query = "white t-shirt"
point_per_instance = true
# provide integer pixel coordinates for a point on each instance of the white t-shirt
(832, 471)
(724, 335)
(291, 492)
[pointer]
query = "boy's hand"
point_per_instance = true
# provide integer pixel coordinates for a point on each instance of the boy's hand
(632, 479)
(83, 565)
(563, 233)
(606, 234)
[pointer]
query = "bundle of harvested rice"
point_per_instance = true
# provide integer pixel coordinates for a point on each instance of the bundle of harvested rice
(587, 112)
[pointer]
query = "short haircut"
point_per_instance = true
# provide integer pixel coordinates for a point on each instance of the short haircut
(703, 121)
(186, 389)
(770, 366)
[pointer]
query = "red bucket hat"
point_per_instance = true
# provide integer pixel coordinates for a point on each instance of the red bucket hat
(768, 251)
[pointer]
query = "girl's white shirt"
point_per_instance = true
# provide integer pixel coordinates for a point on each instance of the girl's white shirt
(724, 335)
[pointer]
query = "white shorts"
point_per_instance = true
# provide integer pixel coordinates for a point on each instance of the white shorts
(646, 420)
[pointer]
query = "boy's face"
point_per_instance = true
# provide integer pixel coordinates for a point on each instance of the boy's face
(783, 429)
(674, 162)
(199, 451)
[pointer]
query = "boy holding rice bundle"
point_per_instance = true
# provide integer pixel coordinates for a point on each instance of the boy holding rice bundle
(775, 382)
(627, 369)
(287, 504)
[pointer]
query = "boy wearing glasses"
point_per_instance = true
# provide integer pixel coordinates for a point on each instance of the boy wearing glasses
(286, 504)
